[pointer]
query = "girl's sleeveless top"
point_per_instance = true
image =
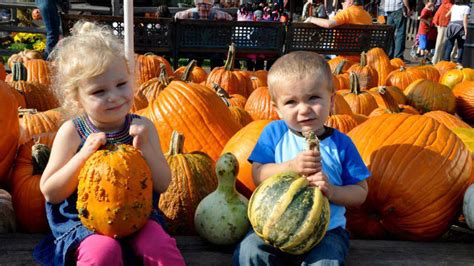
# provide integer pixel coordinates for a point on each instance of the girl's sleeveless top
(67, 231)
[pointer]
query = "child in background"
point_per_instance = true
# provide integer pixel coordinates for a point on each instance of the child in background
(302, 94)
(98, 89)
(426, 30)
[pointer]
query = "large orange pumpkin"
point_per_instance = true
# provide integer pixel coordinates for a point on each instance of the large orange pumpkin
(11, 133)
(38, 71)
(401, 78)
(464, 93)
(360, 101)
(28, 200)
(34, 125)
(192, 178)
(149, 90)
(447, 119)
(367, 75)
(197, 112)
(390, 105)
(241, 145)
(378, 60)
(420, 170)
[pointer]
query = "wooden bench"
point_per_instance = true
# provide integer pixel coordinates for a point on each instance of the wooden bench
(268, 40)
(16, 249)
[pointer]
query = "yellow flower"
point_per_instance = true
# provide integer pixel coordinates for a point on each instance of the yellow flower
(39, 46)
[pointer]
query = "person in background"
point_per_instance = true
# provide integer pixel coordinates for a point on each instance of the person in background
(397, 12)
(205, 11)
(49, 10)
(457, 29)
(426, 29)
(352, 13)
(441, 21)
(163, 12)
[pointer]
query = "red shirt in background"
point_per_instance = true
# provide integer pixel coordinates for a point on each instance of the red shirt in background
(440, 18)
(426, 14)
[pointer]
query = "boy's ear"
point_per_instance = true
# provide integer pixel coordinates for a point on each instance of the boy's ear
(276, 109)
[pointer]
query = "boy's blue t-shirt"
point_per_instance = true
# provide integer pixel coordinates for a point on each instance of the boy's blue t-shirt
(341, 161)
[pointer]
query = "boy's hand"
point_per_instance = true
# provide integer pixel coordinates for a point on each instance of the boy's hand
(320, 180)
(139, 132)
(92, 144)
(306, 163)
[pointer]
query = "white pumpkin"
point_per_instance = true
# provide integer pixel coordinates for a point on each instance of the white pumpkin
(468, 206)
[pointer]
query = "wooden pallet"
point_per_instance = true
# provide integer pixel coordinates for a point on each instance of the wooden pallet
(16, 248)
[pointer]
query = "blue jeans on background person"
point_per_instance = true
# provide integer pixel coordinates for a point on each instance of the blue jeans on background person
(448, 48)
(52, 22)
(332, 250)
(399, 20)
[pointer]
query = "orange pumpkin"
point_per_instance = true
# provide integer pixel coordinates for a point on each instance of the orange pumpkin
(241, 145)
(340, 63)
(104, 204)
(427, 95)
(361, 102)
(340, 105)
(420, 170)
(429, 71)
(259, 105)
(233, 81)
(240, 115)
(464, 93)
(191, 72)
(9, 122)
(447, 119)
(454, 76)
(397, 63)
(378, 60)
(390, 105)
(259, 79)
(39, 125)
(28, 200)
(444, 66)
(343, 123)
(197, 112)
(23, 57)
(38, 71)
(3, 73)
(366, 74)
(401, 78)
(192, 178)
(148, 66)
(397, 95)
(230, 100)
(149, 90)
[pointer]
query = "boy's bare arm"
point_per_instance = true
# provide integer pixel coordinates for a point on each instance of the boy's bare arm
(350, 195)
(262, 171)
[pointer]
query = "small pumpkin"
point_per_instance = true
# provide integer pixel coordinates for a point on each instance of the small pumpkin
(191, 73)
(114, 195)
(401, 78)
(259, 105)
(149, 66)
(192, 179)
(457, 75)
(366, 74)
(360, 101)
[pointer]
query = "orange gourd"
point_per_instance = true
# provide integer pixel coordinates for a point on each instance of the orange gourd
(114, 194)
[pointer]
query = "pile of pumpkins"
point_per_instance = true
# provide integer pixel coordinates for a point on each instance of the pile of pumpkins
(411, 125)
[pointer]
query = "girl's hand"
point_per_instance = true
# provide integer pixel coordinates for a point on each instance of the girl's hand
(92, 144)
(321, 181)
(139, 132)
(306, 163)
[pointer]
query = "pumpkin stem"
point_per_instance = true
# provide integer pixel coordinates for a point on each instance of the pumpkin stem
(221, 93)
(363, 59)
(163, 78)
(229, 63)
(392, 106)
(402, 68)
(188, 70)
(354, 83)
(227, 168)
(19, 72)
(23, 111)
(40, 156)
(339, 67)
(176, 143)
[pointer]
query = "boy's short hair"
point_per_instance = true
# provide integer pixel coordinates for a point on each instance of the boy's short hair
(298, 65)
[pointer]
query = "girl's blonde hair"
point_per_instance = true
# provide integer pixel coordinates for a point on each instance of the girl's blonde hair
(299, 65)
(87, 52)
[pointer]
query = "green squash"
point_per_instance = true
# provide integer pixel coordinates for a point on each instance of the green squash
(468, 206)
(289, 214)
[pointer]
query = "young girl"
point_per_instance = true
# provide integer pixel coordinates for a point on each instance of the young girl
(93, 79)
(457, 29)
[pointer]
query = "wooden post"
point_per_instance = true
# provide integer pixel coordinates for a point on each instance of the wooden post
(128, 36)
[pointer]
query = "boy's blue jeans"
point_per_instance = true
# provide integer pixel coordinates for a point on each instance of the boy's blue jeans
(332, 250)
